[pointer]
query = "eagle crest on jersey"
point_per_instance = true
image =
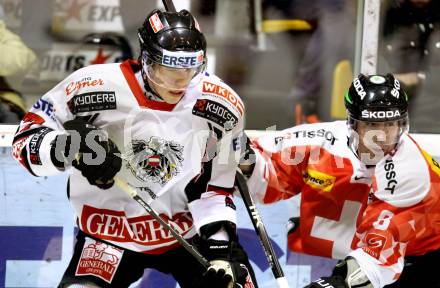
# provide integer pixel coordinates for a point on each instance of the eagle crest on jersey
(155, 160)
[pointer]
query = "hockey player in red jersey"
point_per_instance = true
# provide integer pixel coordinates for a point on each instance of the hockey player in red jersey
(370, 195)
(166, 127)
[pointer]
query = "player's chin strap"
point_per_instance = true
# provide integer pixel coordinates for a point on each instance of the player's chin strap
(354, 276)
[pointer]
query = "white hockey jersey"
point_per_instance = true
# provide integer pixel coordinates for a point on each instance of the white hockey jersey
(375, 214)
(182, 172)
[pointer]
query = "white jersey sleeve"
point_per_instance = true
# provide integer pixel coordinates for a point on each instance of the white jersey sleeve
(80, 94)
(39, 127)
(211, 193)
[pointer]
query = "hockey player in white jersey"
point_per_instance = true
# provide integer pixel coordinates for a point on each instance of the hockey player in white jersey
(167, 128)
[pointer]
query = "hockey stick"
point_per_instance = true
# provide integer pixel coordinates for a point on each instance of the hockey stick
(133, 194)
(241, 184)
(169, 5)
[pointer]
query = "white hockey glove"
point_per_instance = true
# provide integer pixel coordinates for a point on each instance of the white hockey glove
(346, 274)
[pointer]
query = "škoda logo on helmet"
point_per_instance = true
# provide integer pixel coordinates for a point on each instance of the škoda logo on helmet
(380, 114)
(359, 88)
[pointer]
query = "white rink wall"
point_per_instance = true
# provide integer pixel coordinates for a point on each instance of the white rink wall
(37, 229)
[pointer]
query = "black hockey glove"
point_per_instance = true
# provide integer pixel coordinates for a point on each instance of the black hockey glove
(88, 149)
(292, 225)
(247, 157)
(227, 269)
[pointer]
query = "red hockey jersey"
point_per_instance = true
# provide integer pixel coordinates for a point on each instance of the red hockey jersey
(375, 214)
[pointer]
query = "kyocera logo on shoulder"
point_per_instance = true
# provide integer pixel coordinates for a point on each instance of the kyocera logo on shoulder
(182, 59)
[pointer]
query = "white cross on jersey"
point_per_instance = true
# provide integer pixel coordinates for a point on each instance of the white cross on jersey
(340, 232)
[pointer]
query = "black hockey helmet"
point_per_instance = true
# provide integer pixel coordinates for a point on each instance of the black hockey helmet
(376, 98)
(170, 31)
(380, 104)
(173, 40)
(112, 41)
